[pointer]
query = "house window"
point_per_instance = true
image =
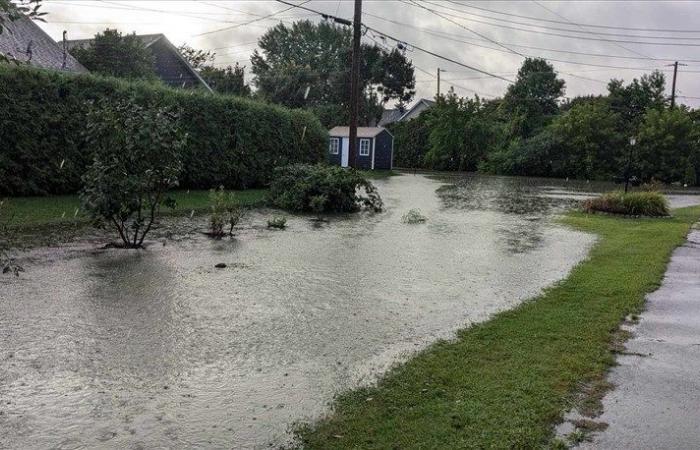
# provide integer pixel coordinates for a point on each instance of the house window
(335, 146)
(364, 147)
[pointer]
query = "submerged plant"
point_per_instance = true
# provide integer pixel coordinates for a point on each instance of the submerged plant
(225, 211)
(137, 160)
(279, 223)
(322, 188)
(413, 216)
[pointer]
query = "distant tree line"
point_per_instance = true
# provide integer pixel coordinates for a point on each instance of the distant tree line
(532, 132)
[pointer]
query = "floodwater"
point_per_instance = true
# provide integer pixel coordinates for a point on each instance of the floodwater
(159, 349)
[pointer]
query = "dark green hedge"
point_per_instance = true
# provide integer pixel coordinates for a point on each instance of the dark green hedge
(232, 141)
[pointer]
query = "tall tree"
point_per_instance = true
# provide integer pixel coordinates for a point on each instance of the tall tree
(114, 54)
(305, 65)
(634, 100)
(531, 102)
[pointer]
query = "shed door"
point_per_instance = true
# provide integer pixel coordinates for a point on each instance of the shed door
(345, 152)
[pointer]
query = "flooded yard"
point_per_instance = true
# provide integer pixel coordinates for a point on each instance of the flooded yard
(159, 349)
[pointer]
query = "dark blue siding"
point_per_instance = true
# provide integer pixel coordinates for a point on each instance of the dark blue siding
(383, 158)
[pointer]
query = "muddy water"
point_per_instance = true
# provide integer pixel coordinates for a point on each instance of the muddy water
(158, 349)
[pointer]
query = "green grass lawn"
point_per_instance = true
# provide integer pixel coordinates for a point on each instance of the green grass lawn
(506, 382)
(38, 211)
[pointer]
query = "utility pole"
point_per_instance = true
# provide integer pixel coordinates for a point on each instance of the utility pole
(355, 82)
(438, 82)
(673, 86)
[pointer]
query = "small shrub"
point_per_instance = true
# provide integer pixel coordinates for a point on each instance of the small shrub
(224, 211)
(322, 188)
(413, 216)
(279, 223)
(137, 160)
(651, 204)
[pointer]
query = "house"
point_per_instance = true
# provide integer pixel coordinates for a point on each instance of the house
(375, 147)
(390, 116)
(23, 40)
(170, 66)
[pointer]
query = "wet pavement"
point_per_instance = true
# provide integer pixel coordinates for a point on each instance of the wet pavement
(656, 400)
(159, 349)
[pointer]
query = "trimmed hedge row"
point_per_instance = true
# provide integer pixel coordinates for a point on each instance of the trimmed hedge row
(232, 141)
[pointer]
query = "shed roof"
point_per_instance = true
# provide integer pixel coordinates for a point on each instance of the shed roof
(362, 132)
(23, 38)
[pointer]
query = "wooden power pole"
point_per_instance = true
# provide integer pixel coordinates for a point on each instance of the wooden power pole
(355, 82)
(673, 89)
(438, 82)
(673, 86)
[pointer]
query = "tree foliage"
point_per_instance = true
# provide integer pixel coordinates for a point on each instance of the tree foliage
(229, 80)
(321, 188)
(137, 159)
(532, 100)
(461, 132)
(667, 147)
(305, 65)
(114, 54)
(197, 58)
(632, 102)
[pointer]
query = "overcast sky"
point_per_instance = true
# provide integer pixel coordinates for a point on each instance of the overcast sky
(459, 30)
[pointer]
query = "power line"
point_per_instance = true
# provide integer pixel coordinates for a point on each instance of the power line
(549, 59)
(249, 22)
(461, 26)
(668, 30)
(454, 37)
(588, 38)
(597, 34)
(559, 28)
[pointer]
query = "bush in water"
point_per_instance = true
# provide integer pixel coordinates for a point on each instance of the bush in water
(277, 222)
(224, 211)
(651, 204)
(413, 216)
(136, 161)
(322, 188)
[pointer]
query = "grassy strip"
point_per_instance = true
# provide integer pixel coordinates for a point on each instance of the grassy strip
(506, 382)
(65, 209)
(379, 174)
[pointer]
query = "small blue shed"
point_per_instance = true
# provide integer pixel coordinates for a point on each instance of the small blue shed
(375, 147)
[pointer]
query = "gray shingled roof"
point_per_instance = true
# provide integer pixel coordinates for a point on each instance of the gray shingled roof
(23, 36)
(390, 116)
